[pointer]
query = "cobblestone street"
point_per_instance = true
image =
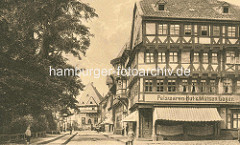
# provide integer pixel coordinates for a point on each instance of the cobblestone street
(92, 138)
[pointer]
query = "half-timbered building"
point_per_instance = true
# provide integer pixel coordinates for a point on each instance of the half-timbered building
(200, 35)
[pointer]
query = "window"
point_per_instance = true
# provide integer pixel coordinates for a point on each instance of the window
(89, 121)
(214, 58)
(188, 29)
(196, 57)
(148, 85)
(205, 58)
(90, 102)
(216, 30)
(238, 59)
(227, 86)
(162, 29)
(203, 86)
(230, 57)
(174, 29)
(225, 9)
(231, 31)
(238, 31)
(212, 86)
(149, 57)
(171, 85)
(238, 87)
(93, 108)
(150, 28)
(184, 86)
(160, 86)
(173, 57)
(119, 84)
(161, 57)
(161, 7)
(185, 57)
(204, 30)
(236, 120)
(194, 86)
(83, 120)
(95, 120)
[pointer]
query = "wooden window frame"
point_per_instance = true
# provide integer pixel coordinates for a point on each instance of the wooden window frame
(161, 7)
(231, 55)
(225, 10)
(171, 86)
(161, 29)
(203, 86)
(214, 58)
(201, 30)
(194, 84)
(174, 57)
(235, 117)
(188, 27)
(149, 57)
(160, 85)
(215, 26)
(148, 85)
(205, 58)
(185, 84)
(194, 57)
(227, 84)
(212, 86)
(237, 87)
(174, 31)
(161, 57)
(233, 33)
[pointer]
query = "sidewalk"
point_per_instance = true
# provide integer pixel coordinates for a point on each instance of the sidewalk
(148, 142)
(40, 140)
(49, 138)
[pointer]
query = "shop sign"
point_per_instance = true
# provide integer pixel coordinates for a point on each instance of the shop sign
(192, 98)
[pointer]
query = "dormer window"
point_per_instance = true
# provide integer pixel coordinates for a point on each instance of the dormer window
(161, 7)
(225, 9)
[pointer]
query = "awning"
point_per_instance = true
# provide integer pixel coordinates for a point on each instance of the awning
(133, 117)
(187, 114)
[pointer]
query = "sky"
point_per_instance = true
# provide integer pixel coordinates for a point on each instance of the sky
(111, 31)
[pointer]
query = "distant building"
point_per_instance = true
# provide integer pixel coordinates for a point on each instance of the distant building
(105, 107)
(203, 36)
(89, 107)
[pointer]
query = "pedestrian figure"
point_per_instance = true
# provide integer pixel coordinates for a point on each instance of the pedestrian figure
(70, 130)
(130, 138)
(28, 135)
(98, 129)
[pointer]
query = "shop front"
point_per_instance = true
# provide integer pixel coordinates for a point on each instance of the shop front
(178, 123)
(131, 123)
(107, 125)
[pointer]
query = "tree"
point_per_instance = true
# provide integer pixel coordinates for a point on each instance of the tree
(36, 34)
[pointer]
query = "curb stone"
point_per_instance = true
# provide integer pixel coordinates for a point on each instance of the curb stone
(51, 140)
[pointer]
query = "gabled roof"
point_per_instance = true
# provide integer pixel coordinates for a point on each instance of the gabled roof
(90, 94)
(201, 9)
(121, 53)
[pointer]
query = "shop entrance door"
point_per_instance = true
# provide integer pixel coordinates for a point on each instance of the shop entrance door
(145, 123)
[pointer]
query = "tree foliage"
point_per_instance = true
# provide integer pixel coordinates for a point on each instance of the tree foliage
(36, 34)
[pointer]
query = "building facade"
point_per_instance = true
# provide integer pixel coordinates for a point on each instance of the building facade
(88, 105)
(105, 107)
(201, 37)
